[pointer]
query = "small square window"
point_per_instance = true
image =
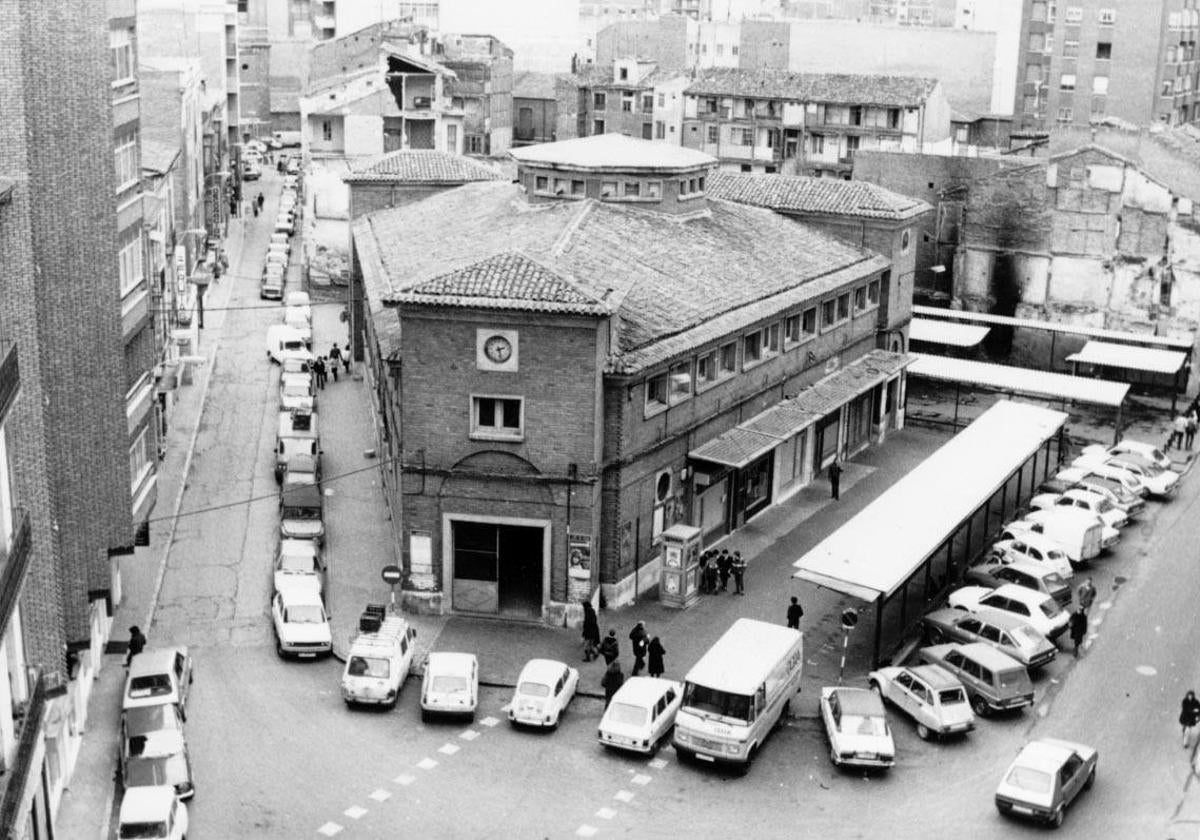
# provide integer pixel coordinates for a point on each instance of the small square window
(1107, 17)
(656, 393)
(843, 307)
(598, 127)
(633, 189)
(541, 183)
(599, 101)
(681, 381)
(1100, 85)
(712, 134)
(1067, 81)
(608, 189)
(577, 188)
(497, 418)
(873, 293)
(728, 359)
(654, 189)
(1104, 51)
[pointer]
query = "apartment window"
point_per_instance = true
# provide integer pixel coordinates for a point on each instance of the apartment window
(1073, 14)
(1037, 11)
(680, 381)
(817, 143)
(1099, 106)
(720, 49)
(608, 189)
(623, 74)
(577, 188)
(1065, 115)
(1107, 17)
(828, 313)
(706, 370)
(1100, 84)
(905, 241)
(653, 189)
(1037, 42)
(647, 102)
(1167, 87)
(1067, 81)
(710, 105)
(856, 115)
(662, 100)
(141, 459)
(660, 130)
(860, 299)
(734, 49)
(452, 138)
(476, 144)
(1070, 49)
(599, 101)
(656, 393)
(1104, 51)
(627, 101)
(327, 130)
(743, 136)
(633, 189)
(893, 117)
(808, 322)
(120, 43)
(126, 155)
(597, 126)
(752, 348)
(771, 340)
(843, 307)
(791, 330)
(873, 293)
(713, 134)
(541, 184)
(497, 417)
(1051, 12)
(129, 265)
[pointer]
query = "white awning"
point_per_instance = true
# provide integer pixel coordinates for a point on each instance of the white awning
(946, 332)
(1130, 358)
(1039, 383)
(1140, 339)
(879, 549)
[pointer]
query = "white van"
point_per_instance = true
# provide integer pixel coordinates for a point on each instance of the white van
(450, 685)
(379, 659)
(641, 714)
(283, 340)
(734, 696)
(1080, 534)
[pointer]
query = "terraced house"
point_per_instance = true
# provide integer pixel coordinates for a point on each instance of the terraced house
(810, 123)
(583, 358)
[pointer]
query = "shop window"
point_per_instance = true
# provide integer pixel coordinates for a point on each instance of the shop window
(497, 418)
(633, 189)
(680, 381)
(656, 393)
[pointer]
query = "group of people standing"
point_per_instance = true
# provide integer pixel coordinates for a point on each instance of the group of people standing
(721, 565)
(648, 652)
(1183, 428)
(322, 366)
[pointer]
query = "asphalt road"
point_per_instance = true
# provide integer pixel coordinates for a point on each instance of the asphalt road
(277, 755)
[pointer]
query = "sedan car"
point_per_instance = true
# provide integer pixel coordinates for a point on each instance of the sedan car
(1045, 778)
(934, 699)
(1156, 480)
(543, 691)
(295, 391)
(1083, 499)
(299, 563)
(159, 675)
(1131, 504)
(1018, 542)
(641, 714)
(152, 813)
(998, 571)
(158, 758)
(857, 728)
(301, 623)
(300, 300)
(1003, 631)
(1039, 611)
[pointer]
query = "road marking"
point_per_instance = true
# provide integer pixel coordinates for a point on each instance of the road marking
(1104, 605)
(586, 831)
(1146, 670)
(641, 779)
(427, 764)
(469, 735)
(606, 813)
(381, 795)
(624, 795)
(449, 749)
(355, 812)
(404, 779)
(330, 829)
(658, 763)
(489, 721)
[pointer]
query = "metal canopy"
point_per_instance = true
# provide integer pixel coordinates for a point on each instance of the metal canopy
(946, 332)
(1049, 326)
(1130, 358)
(1038, 383)
(884, 544)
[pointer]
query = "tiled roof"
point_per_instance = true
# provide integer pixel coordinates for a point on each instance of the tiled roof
(799, 194)
(423, 166)
(895, 91)
(669, 284)
(505, 281)
(612, 150)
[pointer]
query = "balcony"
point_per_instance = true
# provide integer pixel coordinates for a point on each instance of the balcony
(29, 731)
(10, 378)
(14, 563)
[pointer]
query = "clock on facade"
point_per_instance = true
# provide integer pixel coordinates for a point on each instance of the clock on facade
(498, 349)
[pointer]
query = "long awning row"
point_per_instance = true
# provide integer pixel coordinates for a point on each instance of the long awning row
(946, 332)
(757, 436)
(1125, 357)
(1141, 339)
(1038, 383)
(875, 552)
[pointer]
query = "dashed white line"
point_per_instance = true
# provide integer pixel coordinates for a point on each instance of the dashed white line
(586, 831)
(449, 749)
(624, 795)
(641, 779)
(330, 829)
(658, 763)
(469, 735)
(405, 779)
(606, 813)
(381, 795)
(355, 812)
(427, 764)
(489, 721)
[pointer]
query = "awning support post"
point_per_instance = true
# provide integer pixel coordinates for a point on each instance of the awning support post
(957, 390)
(878, 629)
(1050, 364)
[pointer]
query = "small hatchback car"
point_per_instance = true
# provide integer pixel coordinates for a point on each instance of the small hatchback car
(544, 689)
(857, 728)
(159, 675)
(641, 714)
(152, 813)
(934, 699)
(1045, 778)
(450, 685)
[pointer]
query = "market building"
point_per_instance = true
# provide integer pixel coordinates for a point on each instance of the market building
(581, 359)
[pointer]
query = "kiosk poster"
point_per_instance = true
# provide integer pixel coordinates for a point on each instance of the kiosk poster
(579, 555)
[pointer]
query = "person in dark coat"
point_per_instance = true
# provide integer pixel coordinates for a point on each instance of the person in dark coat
(1189, 716)
(724, 565)
(335, 357)
(1078, 628)
(137, 643)
(319, 372)
(704, 558)
(640, 641)
(655, 665)
(1086, 594)
(738, 566)
(612, 680)
(609, 648)
(794, 612)
(710, 576)
(260, 200)
(835, 478)
(591, 632)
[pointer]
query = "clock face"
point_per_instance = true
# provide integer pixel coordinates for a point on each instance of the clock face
(497, 349)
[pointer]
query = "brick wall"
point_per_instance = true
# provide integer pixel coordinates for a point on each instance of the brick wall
(369, 196)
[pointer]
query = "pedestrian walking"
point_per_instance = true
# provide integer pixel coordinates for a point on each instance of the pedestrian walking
(1086, 595)
(1189, 433)
(612, 680)
(655, 665)
(318, 367)
(1078, 628)
(591, 632)
(346, 361)
(710, 576)
(640, 642)
(1189, 716)
(724, 567)
(335, 356)
(255, 207)
(1178, 432)
(704, 558)
(835, 477)
(260, 200)
(738, 567)
(137, 643)
(609, 648)
(794, 612)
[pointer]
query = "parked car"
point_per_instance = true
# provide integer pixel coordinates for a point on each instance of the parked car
(450, 685)
(293, 165)
(158, 758)
(1018, 542)
(251, 171)
(1046, 777)
(1135, 447)
(300, 300)
(1157, 481)
(1036, 609)
(285, 224)
(998, 571)
(1072, 528)
(301, 623)
(857, 728)
(993, 680)
(280, 254)
(1004, 631)
(544, 689)
(299, 563)
(641, 714)
(141, 721)
(283, 341)
(152, 813)
(1083, 499)
(1128, 500)
(271, 287)
(295, 391)
(294, 317)
(1086, 466)
(301, 508)
(257, 146)
(159, 675)
(935, 700)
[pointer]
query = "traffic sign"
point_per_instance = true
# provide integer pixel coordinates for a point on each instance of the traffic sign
(392, 574)
(849, 618)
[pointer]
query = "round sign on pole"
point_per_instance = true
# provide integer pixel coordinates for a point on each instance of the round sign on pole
(849, 618)
(392, 574)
